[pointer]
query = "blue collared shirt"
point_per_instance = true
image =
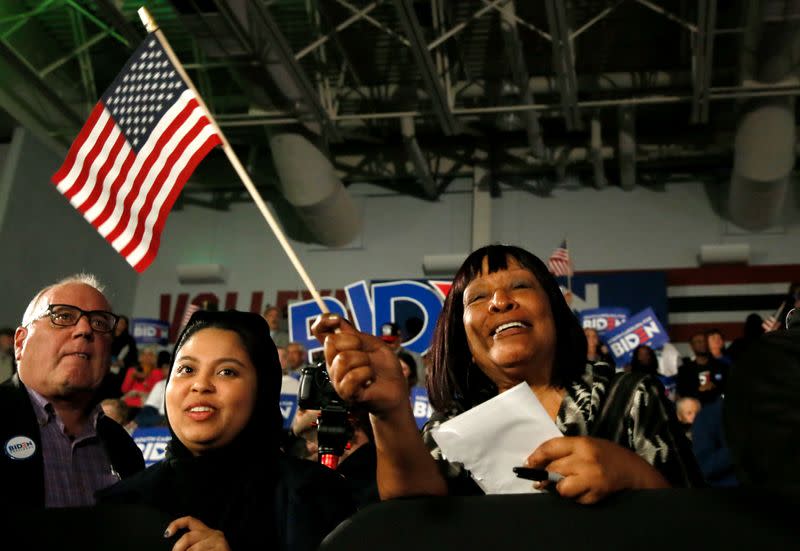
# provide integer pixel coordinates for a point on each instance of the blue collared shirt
(74, 467)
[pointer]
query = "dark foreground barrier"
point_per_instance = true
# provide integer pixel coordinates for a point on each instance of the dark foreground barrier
(669, 520)
(110, 528)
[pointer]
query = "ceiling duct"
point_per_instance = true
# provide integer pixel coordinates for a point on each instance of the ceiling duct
(307, 177)
(764, 147)
(309, 182)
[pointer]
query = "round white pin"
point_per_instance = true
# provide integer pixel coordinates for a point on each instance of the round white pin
(20, 447)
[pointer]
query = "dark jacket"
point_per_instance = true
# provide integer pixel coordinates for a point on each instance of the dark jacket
(22, 480)
(293, 504)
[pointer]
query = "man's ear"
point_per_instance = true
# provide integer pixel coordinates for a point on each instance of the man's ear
(19, 342)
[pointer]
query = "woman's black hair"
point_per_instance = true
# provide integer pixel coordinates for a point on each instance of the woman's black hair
(650, 366)
(266, 422)
(454, 379)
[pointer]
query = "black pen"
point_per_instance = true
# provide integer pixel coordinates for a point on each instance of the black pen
(538, 475)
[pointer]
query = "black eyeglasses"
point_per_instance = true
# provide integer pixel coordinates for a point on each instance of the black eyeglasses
(66, 315)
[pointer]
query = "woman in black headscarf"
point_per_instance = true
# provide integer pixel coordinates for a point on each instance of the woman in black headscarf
(224, 479)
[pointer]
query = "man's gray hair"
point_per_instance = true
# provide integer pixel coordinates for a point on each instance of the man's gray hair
(36, 307)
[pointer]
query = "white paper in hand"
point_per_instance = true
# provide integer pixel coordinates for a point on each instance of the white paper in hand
(496, 436)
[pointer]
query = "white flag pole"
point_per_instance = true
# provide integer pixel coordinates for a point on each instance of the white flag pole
(570, 264)
(152, 27)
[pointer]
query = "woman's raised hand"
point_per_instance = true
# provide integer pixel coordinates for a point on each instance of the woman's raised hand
(198, 536)
(593, 468)
(361, 367)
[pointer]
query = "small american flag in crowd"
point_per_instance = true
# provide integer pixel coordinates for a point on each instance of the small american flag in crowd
(143, 140)
(559, 262)
(187, 315)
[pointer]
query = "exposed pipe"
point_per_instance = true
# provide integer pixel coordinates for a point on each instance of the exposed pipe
(764, 146)
(310, 184)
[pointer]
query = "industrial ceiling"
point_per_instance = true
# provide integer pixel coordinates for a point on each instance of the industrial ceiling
(412, 94)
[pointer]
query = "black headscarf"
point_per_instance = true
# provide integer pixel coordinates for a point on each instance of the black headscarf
(264, 427)
(227, 488)
(248, 489)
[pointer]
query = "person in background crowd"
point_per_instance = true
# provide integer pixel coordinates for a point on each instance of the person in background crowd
(224, 479)
(123, 348)
(273, 316)
(152, 413)
(753, 328)
(711, 448)
(697, 377)
(118, 411)
(644, 360)
(505, 322)
(716, 346)
(409, 367)
(596, 351)
(289, 384)
(687, 409)
(8, 366)
(124, 355)
(59, 447)
(296, 359)
(140, 380)
(391, 335)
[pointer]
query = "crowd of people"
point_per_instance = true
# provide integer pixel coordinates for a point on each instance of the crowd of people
(77, 386)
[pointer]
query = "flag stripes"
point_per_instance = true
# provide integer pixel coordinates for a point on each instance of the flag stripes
(559, 262)
(129, 162)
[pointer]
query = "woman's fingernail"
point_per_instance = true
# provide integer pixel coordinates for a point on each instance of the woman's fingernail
(537, 485)
(167, 533)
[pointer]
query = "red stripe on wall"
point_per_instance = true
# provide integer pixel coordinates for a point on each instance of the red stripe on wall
(727, 274)
(684, 332)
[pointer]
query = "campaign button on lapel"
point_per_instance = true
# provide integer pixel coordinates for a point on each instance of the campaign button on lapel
(20, 447)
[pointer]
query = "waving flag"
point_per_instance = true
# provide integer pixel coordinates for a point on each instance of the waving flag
(143, 140)
(559, 263)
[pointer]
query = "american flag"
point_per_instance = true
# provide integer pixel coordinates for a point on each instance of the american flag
(143, 140)
(559, 262)
(187, 315)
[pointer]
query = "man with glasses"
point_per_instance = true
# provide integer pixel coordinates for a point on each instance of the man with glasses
(58, 447)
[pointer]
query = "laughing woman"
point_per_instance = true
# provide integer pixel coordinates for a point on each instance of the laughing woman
(505, 322)
(224, 480)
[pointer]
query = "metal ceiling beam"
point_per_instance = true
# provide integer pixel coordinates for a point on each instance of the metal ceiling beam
(279, 47)
(260, 34)
(564, 62)
(108, 11)
(752, 23)
(421, 167)
(514, 52)
(31, 120)
(327, 17)
(419, 48)
(29, 76)
(703, 59)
